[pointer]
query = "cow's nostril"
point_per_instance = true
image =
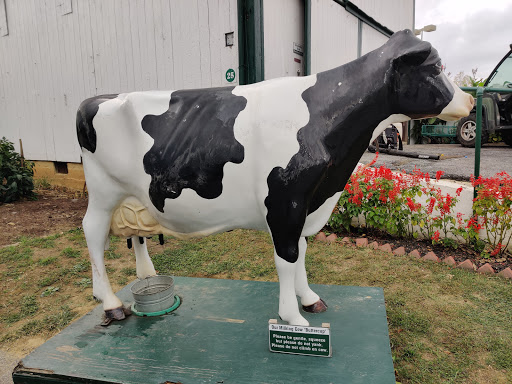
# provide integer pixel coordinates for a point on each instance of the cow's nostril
(471, 101)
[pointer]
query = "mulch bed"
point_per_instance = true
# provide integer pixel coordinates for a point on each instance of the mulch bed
(424, 246)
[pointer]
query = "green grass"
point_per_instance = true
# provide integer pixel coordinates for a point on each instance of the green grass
(77, 236)
(48, 260)
(71, 253)
(49, 323)
(39, 242)
(446, 325)
(20, 256)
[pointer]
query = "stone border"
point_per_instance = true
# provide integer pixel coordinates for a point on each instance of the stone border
(467, 264)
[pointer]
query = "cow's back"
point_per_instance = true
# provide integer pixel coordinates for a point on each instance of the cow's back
(209, 175)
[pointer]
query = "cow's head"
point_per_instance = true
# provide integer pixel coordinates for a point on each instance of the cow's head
(419, 86)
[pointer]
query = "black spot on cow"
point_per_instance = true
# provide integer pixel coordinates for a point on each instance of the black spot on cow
(194, 139)
(84, 128)
(346, 104)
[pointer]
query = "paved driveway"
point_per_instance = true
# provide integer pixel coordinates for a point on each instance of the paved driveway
(456, 161)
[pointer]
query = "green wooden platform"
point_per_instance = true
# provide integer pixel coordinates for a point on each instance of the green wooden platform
(218, 335)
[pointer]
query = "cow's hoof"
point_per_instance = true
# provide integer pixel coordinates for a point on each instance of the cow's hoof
(319, 306)
(117, 314)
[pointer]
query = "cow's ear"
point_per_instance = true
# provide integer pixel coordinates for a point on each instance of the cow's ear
(416, 54)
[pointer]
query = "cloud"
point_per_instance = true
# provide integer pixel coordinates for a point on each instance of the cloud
(476, 38)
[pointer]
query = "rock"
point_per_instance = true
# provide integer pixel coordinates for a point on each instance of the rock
(506, 273)
(362, 242)
(431, 256)
(486, 269)
(346, 240)
(11, 224)
(321, 237)
(449, 260)
(467, 264)
(373, 245)
(386, 248)
(331, 238)
(415, 253)
(399, 251)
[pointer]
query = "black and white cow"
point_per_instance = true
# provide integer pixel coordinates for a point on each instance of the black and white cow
(271, 156)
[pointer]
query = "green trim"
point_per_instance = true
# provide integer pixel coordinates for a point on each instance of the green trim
(364, 17)
(307, 37)
(250, 41)
(176, 304)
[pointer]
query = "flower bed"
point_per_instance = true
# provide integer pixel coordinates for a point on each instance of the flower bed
(414, 206)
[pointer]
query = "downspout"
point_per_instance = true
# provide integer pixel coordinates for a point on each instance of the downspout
(307, 37)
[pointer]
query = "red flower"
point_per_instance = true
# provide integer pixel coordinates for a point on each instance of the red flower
(436, 236)
(439, 174)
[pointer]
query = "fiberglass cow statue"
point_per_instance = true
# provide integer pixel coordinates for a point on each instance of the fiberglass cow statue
(270, 156)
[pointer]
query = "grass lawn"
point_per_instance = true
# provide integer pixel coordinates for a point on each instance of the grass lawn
(446, 325)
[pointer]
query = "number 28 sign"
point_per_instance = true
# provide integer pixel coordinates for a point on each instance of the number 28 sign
(230, 75)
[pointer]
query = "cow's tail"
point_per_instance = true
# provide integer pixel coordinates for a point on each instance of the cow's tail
(84, 128)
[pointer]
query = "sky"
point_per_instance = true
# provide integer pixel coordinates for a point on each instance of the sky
(470, 33)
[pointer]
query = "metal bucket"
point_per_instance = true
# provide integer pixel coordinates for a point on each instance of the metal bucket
(153, 294)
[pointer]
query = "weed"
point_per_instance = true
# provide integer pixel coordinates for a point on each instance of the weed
(111, 255)
(39, 242)
(84, 282)
(122, 281)
(18, 254)
(29, 305)
(48, 260)
(71, 253)
(49, 323)
(42, 183)
(129, 271)
(12, 318)
(49, 291)
(82, 266)
(48, 280)
(77, 236)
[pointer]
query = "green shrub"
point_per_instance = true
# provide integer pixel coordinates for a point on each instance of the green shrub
(16, 176)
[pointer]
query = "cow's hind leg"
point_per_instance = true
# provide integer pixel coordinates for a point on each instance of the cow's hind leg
(96, 224)
(310, 301)
(144, 264)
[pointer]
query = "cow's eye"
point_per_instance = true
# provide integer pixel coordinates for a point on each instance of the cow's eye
(439, 67)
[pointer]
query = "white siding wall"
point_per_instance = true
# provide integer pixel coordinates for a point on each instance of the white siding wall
(334, 31)
(283, 25)
(371, 39)
(334, 34)
(394, 14)
(51, 60)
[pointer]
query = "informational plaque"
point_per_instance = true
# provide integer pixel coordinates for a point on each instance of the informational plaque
(311, 341)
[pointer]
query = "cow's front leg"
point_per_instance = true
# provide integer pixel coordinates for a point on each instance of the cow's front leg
(288, 308)
(143, 262)
(310, 301)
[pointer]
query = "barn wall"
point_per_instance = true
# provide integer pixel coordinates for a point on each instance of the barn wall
(394, 14)
(59, 52)
(334, 34)
(371, 39)
(283, 26)
(338, 36)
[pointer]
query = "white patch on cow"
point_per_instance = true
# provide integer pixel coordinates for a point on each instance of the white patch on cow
(460, 106)
(121, 142)
(267, 128)
(316, 221)
(396, 118)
